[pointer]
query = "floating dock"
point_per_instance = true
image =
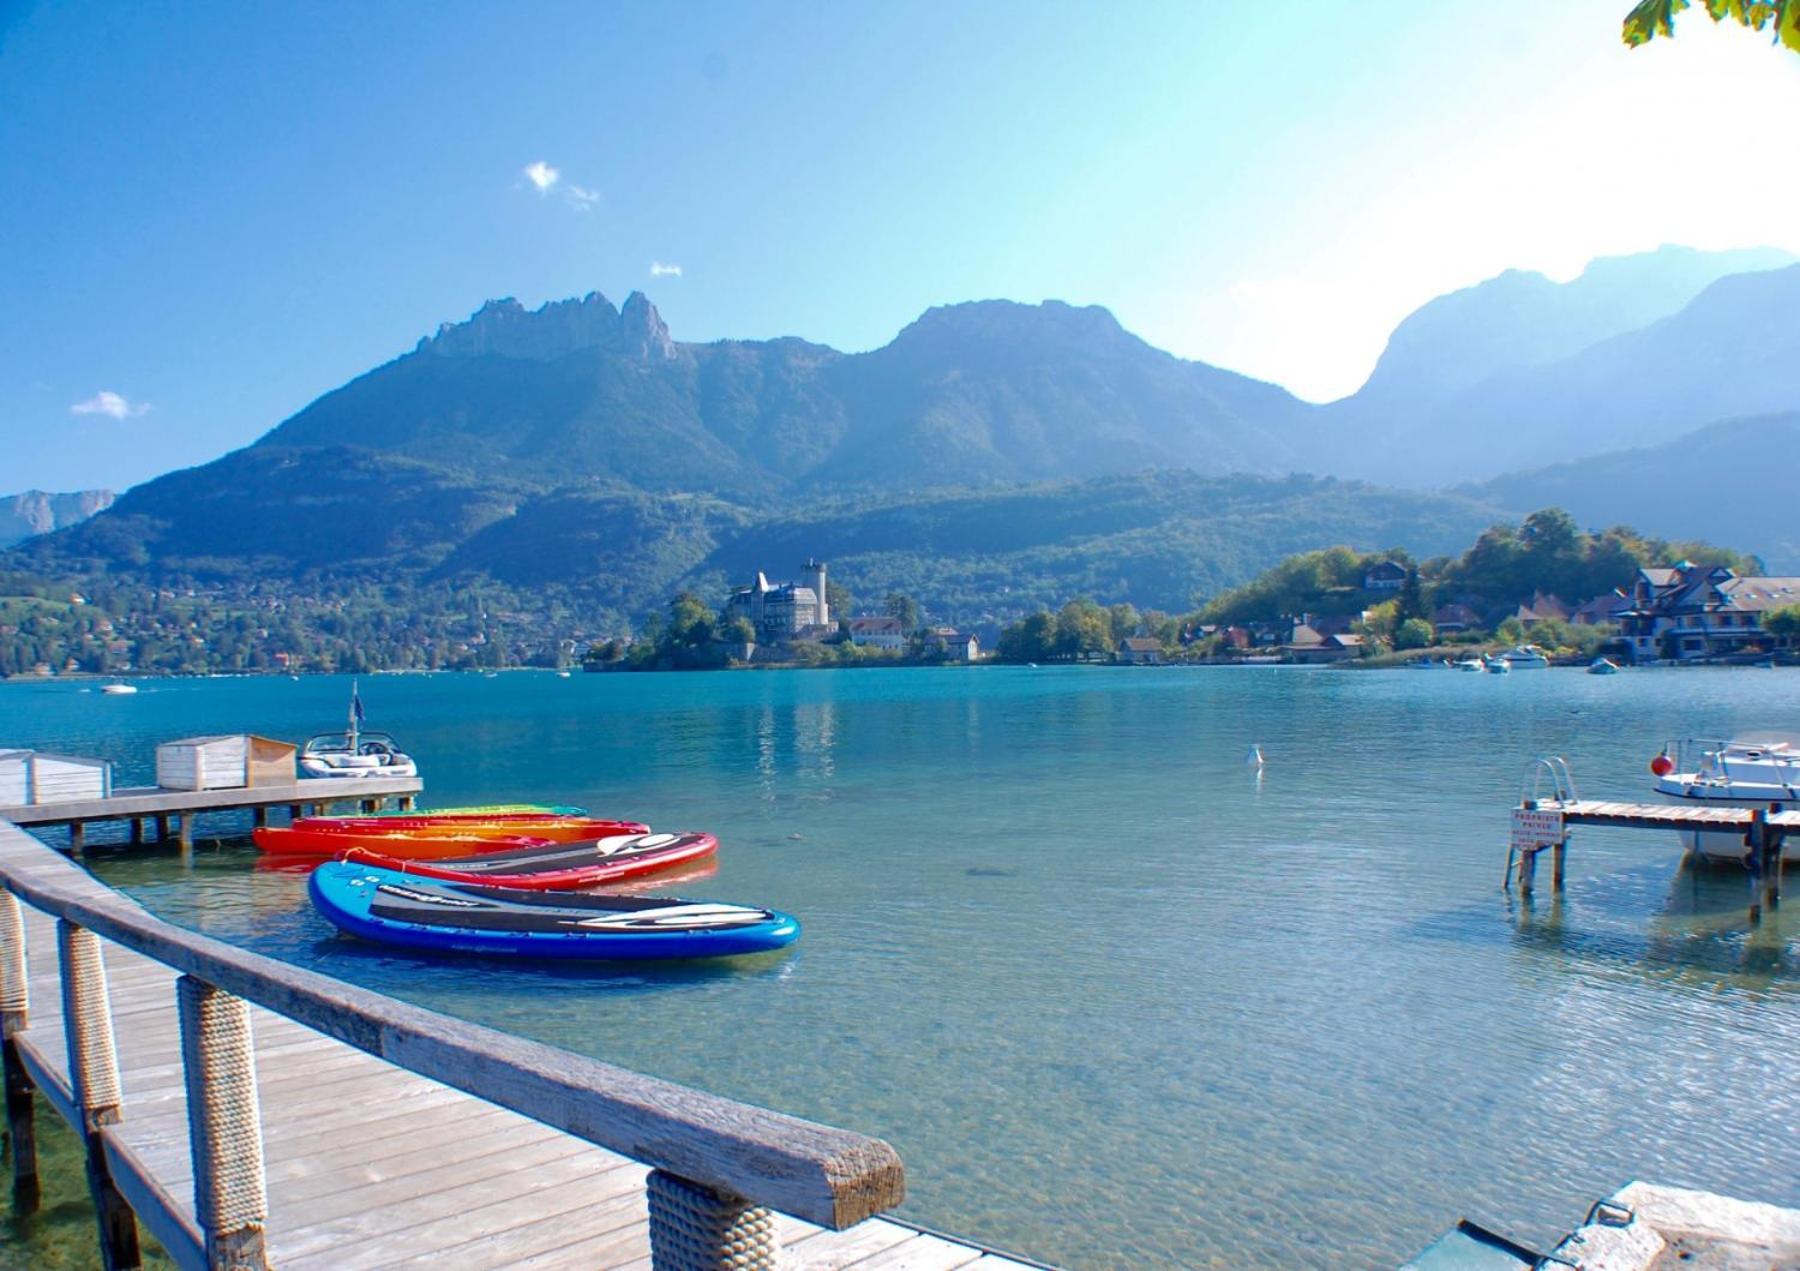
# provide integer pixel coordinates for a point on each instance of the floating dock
(252, 1113)
(158, 809)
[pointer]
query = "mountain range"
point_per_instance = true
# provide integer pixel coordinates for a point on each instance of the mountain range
(992, 449)
(38, 512)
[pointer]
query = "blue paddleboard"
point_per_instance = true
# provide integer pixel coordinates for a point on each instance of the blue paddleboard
(389, 907)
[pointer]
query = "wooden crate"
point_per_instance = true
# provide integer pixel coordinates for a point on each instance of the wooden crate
(204, 763)
(69, 778)
(270, 762)
(15, 778)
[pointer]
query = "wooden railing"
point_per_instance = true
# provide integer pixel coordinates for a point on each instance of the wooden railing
(719, 1166)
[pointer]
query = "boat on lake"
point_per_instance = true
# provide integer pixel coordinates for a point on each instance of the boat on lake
(1498, 665)
(1526, 657)
(1603, 666)
(1474, 664)
(118, 688)
(1746, 772)
(355, 752)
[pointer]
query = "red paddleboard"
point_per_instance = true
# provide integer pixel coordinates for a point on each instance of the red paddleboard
(554, 866)
(560, 829)
(325, 843)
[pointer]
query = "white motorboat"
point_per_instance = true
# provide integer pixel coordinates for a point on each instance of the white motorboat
(1472, 664)
(1747, 772)
(355, 752)
(1603, 666)
(1527, 657)
(1498, 665)
(118, 688)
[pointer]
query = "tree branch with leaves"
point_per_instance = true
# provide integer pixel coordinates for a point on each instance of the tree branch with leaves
(1649, 19)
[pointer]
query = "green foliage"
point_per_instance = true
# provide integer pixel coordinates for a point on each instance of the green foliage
(1321, 582)
(1651, 18)
(1413, 633)
(903, 607)
(1783, 622)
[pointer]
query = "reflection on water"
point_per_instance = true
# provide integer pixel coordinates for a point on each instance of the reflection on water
(1119, 998)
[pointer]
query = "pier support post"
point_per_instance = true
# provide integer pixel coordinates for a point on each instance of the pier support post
(77, 837)
(15, 1001)
(137, 831)
(218, 1062)
(1557, 850)
(94, 1073)
(295, 813)
(1527, 869)
(259, 817)
(693, 1228)
(162, 829)
(186, 833)
(406, 803)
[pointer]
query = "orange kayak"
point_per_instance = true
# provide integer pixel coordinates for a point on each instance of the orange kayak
(404, 844)
(567, 829)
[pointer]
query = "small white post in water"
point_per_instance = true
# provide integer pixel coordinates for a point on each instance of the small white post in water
(1254, 756)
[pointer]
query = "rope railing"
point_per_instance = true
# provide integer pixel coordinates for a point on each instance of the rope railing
(719, 1167)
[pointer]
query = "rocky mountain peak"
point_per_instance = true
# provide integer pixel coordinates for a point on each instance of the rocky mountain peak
(642, 331)
(506, 328)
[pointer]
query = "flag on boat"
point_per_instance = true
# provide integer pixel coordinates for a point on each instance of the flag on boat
(356, 706)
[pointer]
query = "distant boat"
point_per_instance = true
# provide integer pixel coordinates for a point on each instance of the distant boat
(562, 675)
(1603, 666)
(118, 687)
(1472, 664)
(1527, 657)
(1498, 665)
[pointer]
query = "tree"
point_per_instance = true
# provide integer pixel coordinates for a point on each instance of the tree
(1032, 639)
(739, 631)
(691, 623)
(1651, 18)
(1414, 633)
(1083, 630)
(1783, 622)
(905, 608)
(1412, 598)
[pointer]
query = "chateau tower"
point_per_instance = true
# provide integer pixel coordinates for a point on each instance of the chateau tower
(812, 574)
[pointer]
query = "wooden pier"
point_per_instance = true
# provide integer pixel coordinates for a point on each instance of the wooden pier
(251, 1113)
(151, 806)
(1543, 825)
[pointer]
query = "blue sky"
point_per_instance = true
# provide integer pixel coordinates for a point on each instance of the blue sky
(212, 213)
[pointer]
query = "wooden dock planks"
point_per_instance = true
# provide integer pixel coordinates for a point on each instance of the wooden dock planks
(151, 801)
(369, 1165)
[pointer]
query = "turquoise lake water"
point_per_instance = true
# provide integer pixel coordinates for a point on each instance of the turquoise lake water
(1118, 1000)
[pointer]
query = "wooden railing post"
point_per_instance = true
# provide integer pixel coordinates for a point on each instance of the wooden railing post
(218, 1062)
(15, 1002)
(694, 1228)
(94, 1074)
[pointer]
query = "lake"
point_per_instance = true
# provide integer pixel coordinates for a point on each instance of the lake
(1119, 999)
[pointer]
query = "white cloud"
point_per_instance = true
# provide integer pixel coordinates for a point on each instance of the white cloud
(110, 404)
(660, 270)
(542, 175)
(581, 198)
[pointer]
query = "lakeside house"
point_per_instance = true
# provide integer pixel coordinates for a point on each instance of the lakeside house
(957, 646)
(1453, 619)
(1542, 608)
(877, 633)
(1141, 651)
(1389, 575)
(784, 613)
(1689, 612)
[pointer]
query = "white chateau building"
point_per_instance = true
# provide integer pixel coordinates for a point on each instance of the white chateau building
(781, 612)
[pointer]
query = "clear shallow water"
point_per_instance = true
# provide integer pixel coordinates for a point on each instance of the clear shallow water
(1117, 1001)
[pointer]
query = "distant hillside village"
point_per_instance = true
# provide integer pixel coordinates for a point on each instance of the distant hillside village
(1336, 605)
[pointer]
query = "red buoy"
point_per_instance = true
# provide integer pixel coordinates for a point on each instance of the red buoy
(1662, 765)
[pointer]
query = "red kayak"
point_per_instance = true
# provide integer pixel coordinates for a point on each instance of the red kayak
(554, 866)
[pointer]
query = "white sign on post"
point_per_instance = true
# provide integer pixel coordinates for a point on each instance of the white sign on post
(1533, 828)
